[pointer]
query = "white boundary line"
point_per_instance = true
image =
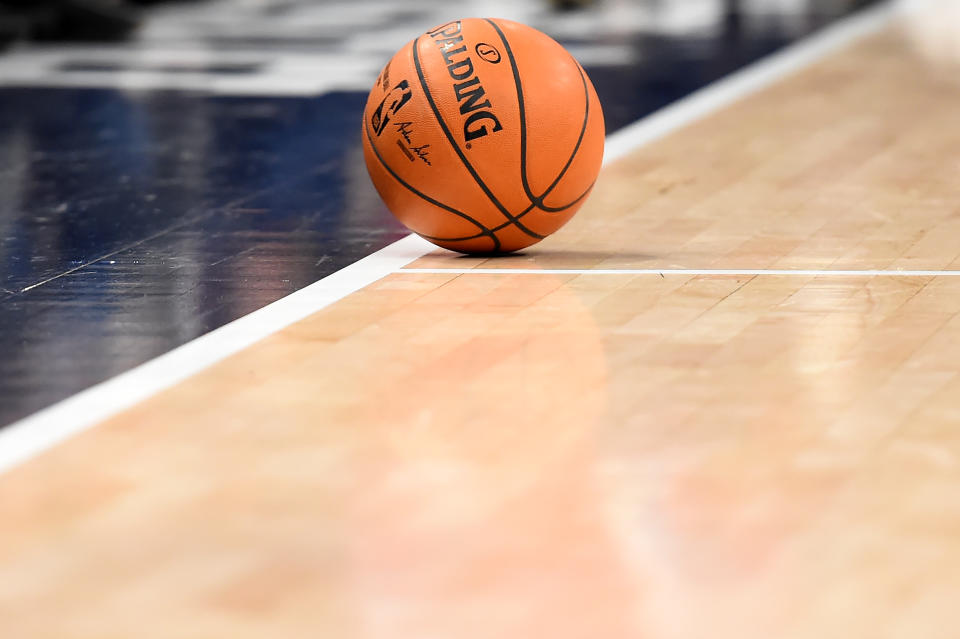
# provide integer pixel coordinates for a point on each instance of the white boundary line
(46, 428)
(748, 80)
(678, 271)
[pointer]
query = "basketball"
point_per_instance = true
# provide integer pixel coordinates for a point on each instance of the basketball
(483, 135)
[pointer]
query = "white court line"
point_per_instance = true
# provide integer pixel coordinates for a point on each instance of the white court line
(46, 428)
(680, 271)
(748, 80)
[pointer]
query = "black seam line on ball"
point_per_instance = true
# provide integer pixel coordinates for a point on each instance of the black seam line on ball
(557, 209)
(484, 231)
(478, 235)
(576, 149)
(563, 208)
(443, 125)
(538, 200)
(505, 224)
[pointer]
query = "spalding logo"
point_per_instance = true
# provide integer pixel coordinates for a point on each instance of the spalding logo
(488, 52)
(466, 85)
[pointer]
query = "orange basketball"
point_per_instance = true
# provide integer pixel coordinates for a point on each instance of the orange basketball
(483, 136)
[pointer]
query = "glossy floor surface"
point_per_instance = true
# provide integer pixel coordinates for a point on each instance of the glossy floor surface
(561, 444)
(153, 191)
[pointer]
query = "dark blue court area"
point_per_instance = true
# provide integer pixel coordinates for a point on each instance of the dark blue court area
(150, 193)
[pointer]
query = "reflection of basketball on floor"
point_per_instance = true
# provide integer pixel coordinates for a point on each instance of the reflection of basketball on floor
(471, 496)
(483, 136)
